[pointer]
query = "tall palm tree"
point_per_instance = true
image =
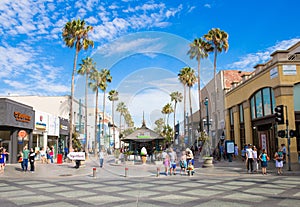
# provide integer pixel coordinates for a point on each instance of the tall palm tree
(218, 39)
(94, 85)
(75, 34)
(188, 78)
(199, 49)
(167, 109)
(86, 67)
(176, 97)
(113, 96)
(105, 78)
(122, 109)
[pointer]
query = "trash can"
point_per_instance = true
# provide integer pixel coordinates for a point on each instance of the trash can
(59, 159)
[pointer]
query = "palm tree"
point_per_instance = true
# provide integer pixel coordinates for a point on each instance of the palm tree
(75, 34)
(122, 109)
(188, 78)
(94, 85)
(176, 97)
(167, 109)
(113, 96)
(86, 67)
(199, 49)
(105, 78)
(218, 39)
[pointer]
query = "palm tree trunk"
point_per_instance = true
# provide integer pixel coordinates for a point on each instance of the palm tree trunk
(85, 124)
(174, 121)
(71, 104)
(184, 111)
(113, 120)
(102, 131)
(215, 97)
(96, 126)
(199, 94)
(191, 111)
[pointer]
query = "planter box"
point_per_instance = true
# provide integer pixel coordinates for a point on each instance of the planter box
(208, 162)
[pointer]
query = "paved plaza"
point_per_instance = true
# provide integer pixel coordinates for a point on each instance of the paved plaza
(227, 184)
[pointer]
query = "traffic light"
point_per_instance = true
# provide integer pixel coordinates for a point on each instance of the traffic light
(293, 133)
(279, 114)
(281, 133)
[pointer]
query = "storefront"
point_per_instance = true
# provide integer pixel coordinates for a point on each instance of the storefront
(16, 127)
(63, 136)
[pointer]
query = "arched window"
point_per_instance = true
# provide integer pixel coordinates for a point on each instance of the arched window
(262, 103)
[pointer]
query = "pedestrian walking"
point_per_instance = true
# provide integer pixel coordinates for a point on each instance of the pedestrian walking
(25, 158)
(43, 155)
(32, 160)
(264, 158)
(255, 160)
(51, 154)
(183, 163)
(101, 157)
(279, 161)
(190, 169)
(3, 154)
(173, 159)
(249, 158)
(20, 159)
(167, 163)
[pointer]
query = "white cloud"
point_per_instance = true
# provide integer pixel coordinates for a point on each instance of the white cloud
(247, 62)
(207, 6)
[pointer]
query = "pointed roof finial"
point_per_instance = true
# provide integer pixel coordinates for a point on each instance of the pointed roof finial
(143, 123)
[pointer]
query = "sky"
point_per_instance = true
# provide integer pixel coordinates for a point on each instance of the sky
(144, 44)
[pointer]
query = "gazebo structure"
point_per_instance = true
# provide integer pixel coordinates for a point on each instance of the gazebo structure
(143, 137)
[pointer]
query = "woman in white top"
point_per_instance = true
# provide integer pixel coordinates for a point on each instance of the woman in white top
(255, 159)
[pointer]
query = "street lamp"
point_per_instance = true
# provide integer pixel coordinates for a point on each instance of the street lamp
(207, 121)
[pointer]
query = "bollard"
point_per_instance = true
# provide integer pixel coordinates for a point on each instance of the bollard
(126, 171)
(157, 172)
(94, 172)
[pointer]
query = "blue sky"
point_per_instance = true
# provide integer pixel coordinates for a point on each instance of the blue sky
(143, 43)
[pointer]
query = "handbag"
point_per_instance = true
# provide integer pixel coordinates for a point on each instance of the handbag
(20, 159)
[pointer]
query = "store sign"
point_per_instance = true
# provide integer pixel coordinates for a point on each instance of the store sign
(76, 155)
(289, 70)
(22, 117)
(274, 73)
(22, 135)
(40, 125)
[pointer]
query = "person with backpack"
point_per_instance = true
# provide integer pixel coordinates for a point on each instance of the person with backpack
(279, 161)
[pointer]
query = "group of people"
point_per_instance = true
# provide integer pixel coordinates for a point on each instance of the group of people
(26, 156)
(186, 162)
(252, 159)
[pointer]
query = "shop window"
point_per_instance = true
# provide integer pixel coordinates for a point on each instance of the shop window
(262, 103)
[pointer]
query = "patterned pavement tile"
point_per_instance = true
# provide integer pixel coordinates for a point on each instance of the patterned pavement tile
(202, 192)
(56, 189)
(30, 199)
(58, 204)
(75, 194)
(138, 193)
(101, 199)
(174, 199)
(216, 203)
(246, 197)
(263, 191)
(16, 193)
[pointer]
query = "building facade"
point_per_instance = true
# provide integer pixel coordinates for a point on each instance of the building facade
(250, 103)
(16, 127)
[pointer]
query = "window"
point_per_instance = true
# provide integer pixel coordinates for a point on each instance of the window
(262, 103)
(241, 113)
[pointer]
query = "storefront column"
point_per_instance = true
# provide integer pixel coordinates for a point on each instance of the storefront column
(14, 148)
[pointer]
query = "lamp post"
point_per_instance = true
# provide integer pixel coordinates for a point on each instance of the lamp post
(99, 143)
(207, 117)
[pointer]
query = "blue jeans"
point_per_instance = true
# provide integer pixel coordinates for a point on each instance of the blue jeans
(101, 162)
(25, 164)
